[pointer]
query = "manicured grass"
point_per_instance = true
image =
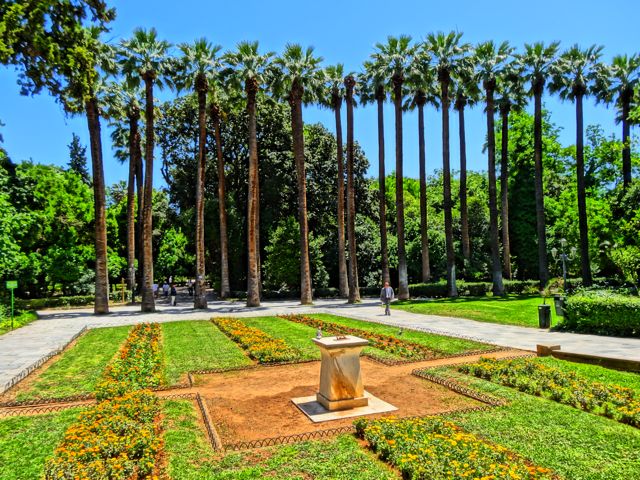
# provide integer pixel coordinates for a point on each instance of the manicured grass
(20, 320)
(575, 444)
(190, 457)
(27, 442)
(197, 345)
(519, 310)
(435, 342)
(595, 373)
(80, 367)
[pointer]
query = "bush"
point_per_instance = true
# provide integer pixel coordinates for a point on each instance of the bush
(55, 302)
(432, 290)
(602, 312)
(520, 287)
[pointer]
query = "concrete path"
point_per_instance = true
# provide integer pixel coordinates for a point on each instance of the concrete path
(26, 348)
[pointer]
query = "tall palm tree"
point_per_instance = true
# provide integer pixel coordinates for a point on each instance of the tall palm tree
(144, 57)
(354, 286)
(198, 68)
(446, 51)
(574, 77)
(333, 96)
(491, 60)
(373, 88)
(422, 85)
(396, 56)
(248, 69)
(538, 59)
(299, 80)
(465, 94)
(511, 97)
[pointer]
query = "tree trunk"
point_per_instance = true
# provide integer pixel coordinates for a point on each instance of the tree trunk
(504, 193)
(354, 287)
(626, 139)
(424, 232)
(496, 267)
(140, 198)
(582, 200)
(200, 297)
(297, 130)
(225, 289)
(464, 211)
(148, 302)
(539, 190)
(99, 201)
(343, 281)
(403, 279)
(452, 289)
(131, 207)
(382, 191)
(253, 287)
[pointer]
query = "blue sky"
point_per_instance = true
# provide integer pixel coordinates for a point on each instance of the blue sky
(341, 31)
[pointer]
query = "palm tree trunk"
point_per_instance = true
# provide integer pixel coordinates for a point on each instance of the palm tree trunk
(504, 193)
(626, 148)
(496, 267)
(297, 130)
(148, 302)
(200, 297)
(253, 287)
(403, 279)
(382, 192)
(424, 232)
(464, 211)
(131, 191)
(99, 201)
(354, 287)
(225, 289)
(582, 200)
(452, 289)
(539, 191)
(343, 281)
(140, 198)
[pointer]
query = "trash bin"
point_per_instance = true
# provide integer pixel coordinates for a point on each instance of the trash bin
(544, 316)
(558, 302)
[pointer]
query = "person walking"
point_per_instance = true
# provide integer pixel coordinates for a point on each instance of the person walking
(165, 289)
(173, 295)
(386, 295)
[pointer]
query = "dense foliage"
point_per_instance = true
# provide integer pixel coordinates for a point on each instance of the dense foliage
(602, 312)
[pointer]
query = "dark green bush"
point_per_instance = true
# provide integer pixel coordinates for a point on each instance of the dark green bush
(431, 290)
(602, 312)
(54, 302)
(519, 287)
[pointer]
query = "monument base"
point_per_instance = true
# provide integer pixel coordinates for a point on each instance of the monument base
(318, 413)
(342, 404)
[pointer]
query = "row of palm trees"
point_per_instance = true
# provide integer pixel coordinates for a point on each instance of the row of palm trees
(440, 71)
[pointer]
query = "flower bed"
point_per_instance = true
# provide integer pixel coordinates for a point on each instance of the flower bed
(260, 346)
(395, 346)
(613, 401)
(430, 448)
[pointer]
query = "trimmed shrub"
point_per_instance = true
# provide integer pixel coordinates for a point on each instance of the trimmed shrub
(602, 312)
(55, 302)
(431, 290)
(520, 287)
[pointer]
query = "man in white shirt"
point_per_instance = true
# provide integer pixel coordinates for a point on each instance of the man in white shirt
(386, 295)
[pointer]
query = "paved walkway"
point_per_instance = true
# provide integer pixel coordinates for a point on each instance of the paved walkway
(24, 349)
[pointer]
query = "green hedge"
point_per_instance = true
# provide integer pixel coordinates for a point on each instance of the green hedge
(472, 289)
(602, 312)
(53, 302)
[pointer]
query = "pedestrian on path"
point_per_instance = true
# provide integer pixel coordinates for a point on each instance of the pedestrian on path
(165, 289)
(174, 295)
(386, 296)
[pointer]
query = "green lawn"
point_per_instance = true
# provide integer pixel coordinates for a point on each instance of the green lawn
(80, 367)
(576, 444)
(197, 345)
(595, 373)
(20, 320)
(438, 343)
(27, 442)
(519, 310)
(190, 457)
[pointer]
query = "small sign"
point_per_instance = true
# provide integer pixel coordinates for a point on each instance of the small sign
(11, 284)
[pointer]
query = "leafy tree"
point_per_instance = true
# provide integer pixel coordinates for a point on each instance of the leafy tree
(78, 159)
(173, 258)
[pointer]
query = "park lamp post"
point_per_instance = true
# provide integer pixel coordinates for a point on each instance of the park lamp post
(562, 256)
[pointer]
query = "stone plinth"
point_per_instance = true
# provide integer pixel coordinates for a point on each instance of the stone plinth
(340, 379)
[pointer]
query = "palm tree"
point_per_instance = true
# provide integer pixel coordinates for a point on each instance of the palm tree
(198, 69)
(374, 89)
(574, 77)
(618, 83)
(538, 60)
(511, 97)
(248, 69)
(396, 56)
(491, 60)
(333, 95)
(446, 51)
(144, 57)
(299, 80)
(354, 286)
(422, 84)
(465, 94)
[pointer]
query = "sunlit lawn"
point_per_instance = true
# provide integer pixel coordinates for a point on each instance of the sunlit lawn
(20, 320)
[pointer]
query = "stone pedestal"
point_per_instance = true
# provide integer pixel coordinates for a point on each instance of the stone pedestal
(340, 379)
